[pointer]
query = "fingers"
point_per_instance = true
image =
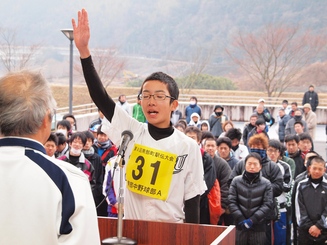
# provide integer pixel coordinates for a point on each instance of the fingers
(73, 24)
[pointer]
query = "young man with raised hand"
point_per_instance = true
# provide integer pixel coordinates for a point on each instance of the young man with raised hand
(159, 157)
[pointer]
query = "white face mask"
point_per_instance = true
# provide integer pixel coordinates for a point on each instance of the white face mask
(192, 102)
(75, 152)
(62, 131)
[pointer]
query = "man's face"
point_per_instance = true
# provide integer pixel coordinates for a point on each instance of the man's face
(252, 165)
(305, 145)
(195, 119)
(261, 127)
(294, 107)
(306, 110)
(71, 121)
(157, 112)
(281, 113)
(50, 148)
(218, 109)
(77, 144)
(193, 136)
(122, 99)
(224, 151)
(316, 170)
(204, 127)
(235, 142)
(292, 146)
(61, 147)
(260, 108)
(210, 146)
(253, 120)
(102, 138)
(297, 113)
(311, 89)
(273, 153)
(88, 145)
(298, 128)
(284, 105)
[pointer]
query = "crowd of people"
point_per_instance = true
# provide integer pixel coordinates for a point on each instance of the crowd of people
(273, 191)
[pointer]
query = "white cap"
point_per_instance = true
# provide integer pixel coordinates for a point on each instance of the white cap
(261, 100)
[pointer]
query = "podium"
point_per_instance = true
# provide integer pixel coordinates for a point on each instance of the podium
(157, 233)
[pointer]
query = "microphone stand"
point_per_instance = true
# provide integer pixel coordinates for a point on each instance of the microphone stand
(119, 239)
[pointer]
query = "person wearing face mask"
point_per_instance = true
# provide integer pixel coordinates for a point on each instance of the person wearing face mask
(250, 201)
(191, 108)
(76, 157)
(64, 127)
(258, 143)
(289, 129)
(122, 102)
(216, 120)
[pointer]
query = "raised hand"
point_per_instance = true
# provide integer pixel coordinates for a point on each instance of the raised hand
(82, 33)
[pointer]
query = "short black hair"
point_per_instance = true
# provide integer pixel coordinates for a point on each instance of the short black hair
(166, 79)
(77, 135)
(285, 101)
(206, 135)
(291, 137)
(99, 131)
(61, 138)
(234, 133)
(254, 155)
(89, 135)
(305, 136)
(294, 103)
(298, 122)
(260, 121)
(53, 137)
(275, 144)
(65, 123)
(194, 129)
(226, 140)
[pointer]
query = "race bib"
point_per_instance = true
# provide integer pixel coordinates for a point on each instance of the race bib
(149, 171)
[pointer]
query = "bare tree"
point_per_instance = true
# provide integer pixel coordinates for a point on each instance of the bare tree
(274, 57)
(107, 63)
(14, 56)
(198, 62)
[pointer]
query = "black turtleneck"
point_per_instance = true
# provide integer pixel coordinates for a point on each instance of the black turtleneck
(160, 133)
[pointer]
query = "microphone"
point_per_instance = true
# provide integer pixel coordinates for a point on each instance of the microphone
(126, 137)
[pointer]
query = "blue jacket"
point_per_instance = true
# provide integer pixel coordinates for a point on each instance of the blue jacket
(281, 127)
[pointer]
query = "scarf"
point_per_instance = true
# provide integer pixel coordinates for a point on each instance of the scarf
(261, 152)
(104, 145)
(89, 152)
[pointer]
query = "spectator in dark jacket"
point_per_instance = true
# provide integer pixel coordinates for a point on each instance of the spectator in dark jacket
(310, 205)
(95, 160)
(259, 144)
(209, 174)
(311, 97)
(248, 127)
(284, 118)
(222, 170)
(250, 202)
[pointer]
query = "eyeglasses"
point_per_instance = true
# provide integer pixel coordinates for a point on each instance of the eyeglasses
(272, 151)
(156, 96)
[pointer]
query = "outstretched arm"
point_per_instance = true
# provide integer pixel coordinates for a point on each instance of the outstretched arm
(97, 92)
